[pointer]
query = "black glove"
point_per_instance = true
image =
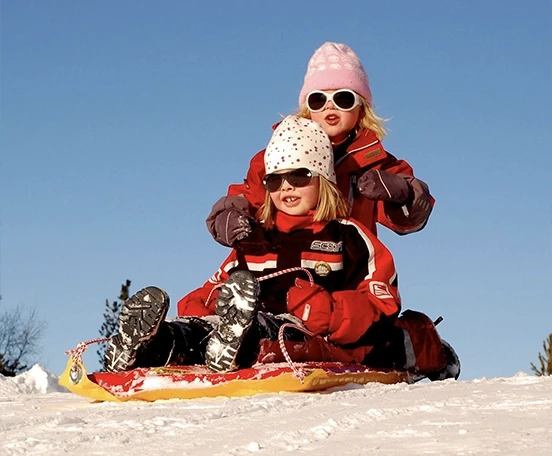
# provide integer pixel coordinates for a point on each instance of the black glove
(376, 184)
(230, 220)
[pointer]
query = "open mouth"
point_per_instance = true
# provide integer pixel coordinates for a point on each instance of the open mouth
(332, 119)
(291, 200)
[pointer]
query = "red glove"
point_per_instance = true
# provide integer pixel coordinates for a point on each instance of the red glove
(312, 304)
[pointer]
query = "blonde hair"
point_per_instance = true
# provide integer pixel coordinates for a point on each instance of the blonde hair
(367, 119)
(331, 205)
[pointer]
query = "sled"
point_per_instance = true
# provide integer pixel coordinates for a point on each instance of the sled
(189, 382)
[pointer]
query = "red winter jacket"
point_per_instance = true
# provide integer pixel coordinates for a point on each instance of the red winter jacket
(363, 153)
(343, 256)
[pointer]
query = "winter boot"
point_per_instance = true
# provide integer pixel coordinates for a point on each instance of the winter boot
(237, 307)
(140, 319)
(451, 370)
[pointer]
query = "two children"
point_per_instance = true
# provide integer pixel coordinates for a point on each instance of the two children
(351, 304)
(379, 188)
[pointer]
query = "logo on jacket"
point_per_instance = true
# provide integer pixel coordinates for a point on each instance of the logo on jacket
(327, 246)
(380, 290)
(372, 154)
(322, 268)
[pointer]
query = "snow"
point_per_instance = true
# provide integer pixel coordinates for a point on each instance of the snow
(156, 383)
(507, 416)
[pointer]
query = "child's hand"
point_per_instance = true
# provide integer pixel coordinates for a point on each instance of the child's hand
(229, 220)
(312, 304)
(376, 184)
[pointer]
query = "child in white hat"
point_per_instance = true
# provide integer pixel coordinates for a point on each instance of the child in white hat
(349, 308)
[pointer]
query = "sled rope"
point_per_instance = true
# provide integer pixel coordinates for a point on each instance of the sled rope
(81, 348)
(299, 372)
(285, 271)
(265, 277)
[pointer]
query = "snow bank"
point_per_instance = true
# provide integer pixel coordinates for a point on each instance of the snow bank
(36, 380)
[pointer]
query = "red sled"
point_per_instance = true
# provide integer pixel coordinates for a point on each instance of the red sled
(336, 368)
(189, 382)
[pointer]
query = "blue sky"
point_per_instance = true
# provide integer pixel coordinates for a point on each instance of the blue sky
(123, 122)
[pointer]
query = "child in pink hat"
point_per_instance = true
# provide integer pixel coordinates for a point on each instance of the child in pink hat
(381, 188)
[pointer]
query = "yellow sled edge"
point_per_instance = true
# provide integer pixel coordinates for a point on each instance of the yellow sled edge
(77, 381)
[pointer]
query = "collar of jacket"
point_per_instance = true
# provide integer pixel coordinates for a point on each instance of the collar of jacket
(365, 150)
(288, 223)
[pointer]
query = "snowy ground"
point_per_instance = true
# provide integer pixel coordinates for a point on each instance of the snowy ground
(487, 416)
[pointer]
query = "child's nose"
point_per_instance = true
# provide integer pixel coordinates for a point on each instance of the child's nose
(286, 185)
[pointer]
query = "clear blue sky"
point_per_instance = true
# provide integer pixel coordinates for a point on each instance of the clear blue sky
(123, 122)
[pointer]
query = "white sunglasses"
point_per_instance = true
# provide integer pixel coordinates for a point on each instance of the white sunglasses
(343, 99)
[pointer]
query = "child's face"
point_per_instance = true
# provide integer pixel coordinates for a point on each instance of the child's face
(296, 200)
(337, 124)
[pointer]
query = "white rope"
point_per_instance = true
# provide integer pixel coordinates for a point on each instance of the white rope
(80, 349)
(299, 372)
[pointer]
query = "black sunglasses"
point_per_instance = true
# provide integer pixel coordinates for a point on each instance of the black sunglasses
(300, 177)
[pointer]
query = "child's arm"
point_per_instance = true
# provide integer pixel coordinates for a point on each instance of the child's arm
(252, 188)
(201, 301)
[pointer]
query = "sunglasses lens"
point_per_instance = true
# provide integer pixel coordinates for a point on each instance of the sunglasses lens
(272, 182)
(299, 177)
(316, 101)
(344, 99)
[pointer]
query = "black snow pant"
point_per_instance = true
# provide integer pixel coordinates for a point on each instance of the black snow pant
(183, 341)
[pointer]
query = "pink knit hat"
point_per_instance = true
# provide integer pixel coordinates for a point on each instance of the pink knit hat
(300, 143)
(335, 66)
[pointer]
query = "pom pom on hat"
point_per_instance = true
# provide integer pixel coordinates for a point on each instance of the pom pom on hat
(335, 66)
(300, 143)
